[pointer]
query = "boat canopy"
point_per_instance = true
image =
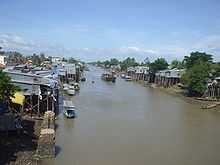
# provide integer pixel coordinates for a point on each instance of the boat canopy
(68, 104)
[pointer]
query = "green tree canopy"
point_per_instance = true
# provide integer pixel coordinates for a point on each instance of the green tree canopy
(199, 68)
(7, 89)
(177, 64)
(158, 64)
(72, 60)
(128, 62)
(196, 78)
(114, 61)
(216, 70)
(15, 58)
(196, 57)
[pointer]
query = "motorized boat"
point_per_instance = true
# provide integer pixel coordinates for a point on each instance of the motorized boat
(69, 109)
(71, 91)
(74, 85)
(83, 79)
(70, 113)
(123, 76)
(109, 77)
(65, 87)
(128, 78)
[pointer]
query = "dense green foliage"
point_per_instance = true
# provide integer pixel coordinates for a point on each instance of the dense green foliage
(15, 58)
(158, 64)
(177, 64)
(195, 57)
(216, 70)
(37, 59)
(72, 60)
(7, 89)
(198, 71)
(128, 62)
(196, 78)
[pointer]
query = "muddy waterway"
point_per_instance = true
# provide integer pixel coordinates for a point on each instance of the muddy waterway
(126, 124)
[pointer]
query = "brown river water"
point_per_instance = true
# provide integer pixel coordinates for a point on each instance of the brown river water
(126, 124)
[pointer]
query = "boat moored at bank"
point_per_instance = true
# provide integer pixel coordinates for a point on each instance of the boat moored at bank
(109, 77)
(69, 109)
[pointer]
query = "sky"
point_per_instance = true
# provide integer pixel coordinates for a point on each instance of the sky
(102, 29)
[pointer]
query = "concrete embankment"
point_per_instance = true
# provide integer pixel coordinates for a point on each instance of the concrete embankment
(46, 142)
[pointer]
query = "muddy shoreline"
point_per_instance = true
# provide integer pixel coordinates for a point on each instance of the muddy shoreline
(176, 91)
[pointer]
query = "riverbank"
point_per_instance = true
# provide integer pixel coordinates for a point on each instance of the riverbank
(205, 104)
(19, 149)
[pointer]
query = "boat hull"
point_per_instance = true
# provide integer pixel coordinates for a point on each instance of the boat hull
(109, 78)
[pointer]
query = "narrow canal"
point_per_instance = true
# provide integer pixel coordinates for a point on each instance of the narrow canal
(126, 124)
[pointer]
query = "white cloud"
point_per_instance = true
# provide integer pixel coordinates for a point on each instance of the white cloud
(10, 41)
(209, 44)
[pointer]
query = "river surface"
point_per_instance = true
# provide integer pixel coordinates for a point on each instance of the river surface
(128, 124)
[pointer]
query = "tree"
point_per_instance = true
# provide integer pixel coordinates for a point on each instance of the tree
(72, 60)
(216, 70)
(15, 58)
(114, 61)
(128, 62)
(195, 57)
(196, 78)
(177, 64)
(199, 68)
(106, 63)
(158, 64)
(7, 89)
(36, 59)
(146, 61)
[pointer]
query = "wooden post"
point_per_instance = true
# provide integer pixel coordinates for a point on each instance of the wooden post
(31, 104)
(47, 102)
(38, 106)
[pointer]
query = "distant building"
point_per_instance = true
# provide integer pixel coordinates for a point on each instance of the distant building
(68, 73)
(213, 88)
(2, 61)
(41, 93)
(169, 77)
(138, 72)
(56, 60)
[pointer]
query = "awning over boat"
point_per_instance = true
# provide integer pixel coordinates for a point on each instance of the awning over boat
(18, 98)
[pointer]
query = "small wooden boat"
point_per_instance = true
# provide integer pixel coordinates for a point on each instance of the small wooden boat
(128, 78)
(76, 86)
(71, 92)
(70, 113)
(108, 77)
(69, 109)
(83, 79)
(65, 87)
(123, 76)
